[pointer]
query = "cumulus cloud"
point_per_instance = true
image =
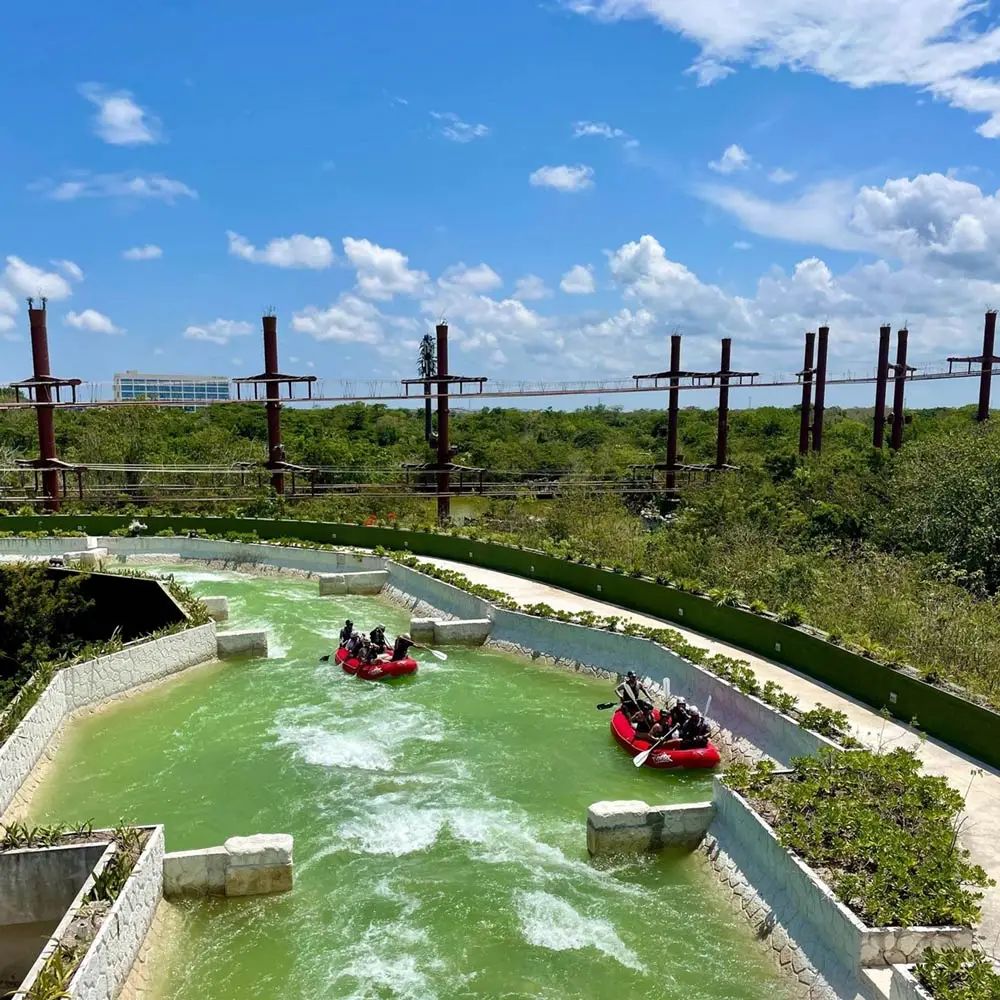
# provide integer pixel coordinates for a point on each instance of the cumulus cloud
(119, 119)
(601, 130)
(298, 251)
(453, 128)
(149, 252)
(127, 187)
(70, 268)
(578, 280)
(481, 278)
(27, 280)
(569, 179)
(92, 321)
(381, 271)
(781, 176)
(945, 44)
(219, 331)
(531, 288)
(350, 320)
(733, 158)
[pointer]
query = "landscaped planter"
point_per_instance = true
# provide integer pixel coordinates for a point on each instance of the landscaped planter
(800, 891)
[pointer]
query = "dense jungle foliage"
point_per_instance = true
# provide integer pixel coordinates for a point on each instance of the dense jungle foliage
(899, 554)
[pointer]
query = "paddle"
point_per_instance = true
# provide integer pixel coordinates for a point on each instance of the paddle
(606, 704)
(642, 758)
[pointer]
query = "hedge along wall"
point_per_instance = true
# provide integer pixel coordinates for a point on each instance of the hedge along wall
(960, 723)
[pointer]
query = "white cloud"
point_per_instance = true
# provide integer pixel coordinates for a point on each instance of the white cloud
(578, 280)
(138, 187)
(733, 158)
(314, 252)
(781, 176)
(8, 310)
(120, 121)
(456, 130)
(92, 321)
(149, 252)
(481, 278)
(601, 130)
(563, 178)
(937, 221)
(940, 46)
(530, 288)
(73, 270)
(742, 245)
(219, 331)
(381, 271)
(350, 320)
(25, 279)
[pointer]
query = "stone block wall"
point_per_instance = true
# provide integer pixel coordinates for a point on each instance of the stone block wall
(109, 959)
(904, 986)
(245, 642)
(243, 866)
(359, 582)
(620, 827)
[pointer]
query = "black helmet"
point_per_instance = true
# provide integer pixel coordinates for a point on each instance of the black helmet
(348, 623)
(630, 675)
(379, 628)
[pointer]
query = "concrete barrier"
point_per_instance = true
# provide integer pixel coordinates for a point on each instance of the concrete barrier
(459, 631)
(86, 557)
(218, 607)
(243, 642)
(630, 826)
(243, 866)
(904, 985)
(365, 582)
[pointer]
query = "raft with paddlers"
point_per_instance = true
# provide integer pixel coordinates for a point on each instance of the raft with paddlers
(669, 753)
(381, 668)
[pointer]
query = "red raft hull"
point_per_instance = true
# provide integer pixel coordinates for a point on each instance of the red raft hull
(666, 755)
(383, 669)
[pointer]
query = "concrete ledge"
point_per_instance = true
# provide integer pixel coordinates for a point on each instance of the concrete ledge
(366, 582)
(249, 642)
(904, 985)
(243, 866)
(467, 631)
(631, 826)
(218, 607)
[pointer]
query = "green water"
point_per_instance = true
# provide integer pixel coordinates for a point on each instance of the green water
(439, 824)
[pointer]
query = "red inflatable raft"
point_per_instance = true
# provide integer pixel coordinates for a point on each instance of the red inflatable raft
(666, 755)
(382, 669)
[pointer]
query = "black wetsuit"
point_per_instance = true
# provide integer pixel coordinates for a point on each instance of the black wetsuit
(402, 647)
(345, 634)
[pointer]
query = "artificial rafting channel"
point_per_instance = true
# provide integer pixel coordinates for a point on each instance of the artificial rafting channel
(439, 823)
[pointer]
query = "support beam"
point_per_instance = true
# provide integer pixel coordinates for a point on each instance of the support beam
(881, 382)
(722, 436)
(275, 451)
(824, 336)
(43, 405)
(443, 444)
(898, 389)
(806, 405)
(985, 380)
(673, 407)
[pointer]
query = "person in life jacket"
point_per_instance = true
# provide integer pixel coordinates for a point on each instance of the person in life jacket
(401, 648)
(694, 730)
(355, 646)
(377, 639)
(346, 632)
(633, 696)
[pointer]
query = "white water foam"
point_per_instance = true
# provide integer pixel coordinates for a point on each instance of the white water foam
(550, 922)
(316, 745)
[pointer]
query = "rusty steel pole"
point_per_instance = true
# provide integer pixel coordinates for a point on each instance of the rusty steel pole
(722, 437)
(43, 406)
(273, 405)
(881, 382)
(986, 379)
(673, 406)
(824, 336)
(898, 388)
(443, 446)
(806, 406)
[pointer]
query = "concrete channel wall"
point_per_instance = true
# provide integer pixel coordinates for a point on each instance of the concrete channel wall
(89, 683)
(630, 826)
(39, 883)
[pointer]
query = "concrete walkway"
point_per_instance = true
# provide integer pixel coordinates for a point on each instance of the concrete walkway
(981, 825)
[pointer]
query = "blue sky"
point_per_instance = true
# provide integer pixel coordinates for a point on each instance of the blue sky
(566, 182)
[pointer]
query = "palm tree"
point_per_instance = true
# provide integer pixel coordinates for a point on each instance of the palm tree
(426, 368)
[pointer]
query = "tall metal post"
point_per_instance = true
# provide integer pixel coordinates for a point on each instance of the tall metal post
(443, 445)
(986, 379)
(722, 438)
(898, 388)
(275, 452)
(673, 407)
(881, 382)
(807, 379)
(824, 336)
(43, 405)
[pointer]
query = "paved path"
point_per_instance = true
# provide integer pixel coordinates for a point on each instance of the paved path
(981, 829)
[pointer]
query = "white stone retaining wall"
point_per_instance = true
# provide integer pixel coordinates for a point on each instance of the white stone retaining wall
(467, 631)
(368, 581)
(243, 866)
(89, 683)
(438, 594)
(108, 961)
(620, 827)
(904, 985)
(822, 926)
(38, 547)
(245, 642)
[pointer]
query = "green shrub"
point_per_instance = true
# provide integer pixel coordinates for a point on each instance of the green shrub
(957, 974)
